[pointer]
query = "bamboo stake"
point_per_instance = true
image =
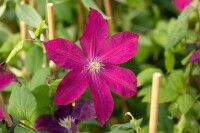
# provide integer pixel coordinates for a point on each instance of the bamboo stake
(23, 32)
(109, 13)
(7, 118)
(50, 16)
(99, 3)
(32, 3)
(154, 102)
(80, 19)
(23, 25)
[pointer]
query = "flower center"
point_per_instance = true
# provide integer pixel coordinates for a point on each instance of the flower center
(94, 65)
(66, 122)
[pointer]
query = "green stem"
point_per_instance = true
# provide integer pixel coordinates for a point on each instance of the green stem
(30, 128)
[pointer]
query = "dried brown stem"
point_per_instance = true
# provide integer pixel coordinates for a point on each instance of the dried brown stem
(7, 118)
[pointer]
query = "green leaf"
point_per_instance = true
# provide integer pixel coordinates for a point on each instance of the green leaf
(182, 124)
(3, 8)
(177, 34)
(15, 51)
(39, 28)
(92, 4)
(186, 12)
(9, 41)
(167, 92)
(187, 58)
(177, 81)
(122, 131)
(22, 103)
(174, 110)
(55, 83)
(126, 126)
(34, 59)
(38, 78)
(180, 28)
(60, 1)
(185, 103)
(29, 15)
(42, 95)
(169, 60)
(145, 76)
(19, 129)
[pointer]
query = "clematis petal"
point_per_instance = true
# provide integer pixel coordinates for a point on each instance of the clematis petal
(84, 110)
(181, 4)
(195, 56)
(120, 48)
(71, 87)
(6, 78)
(95, 34)
(63, 111)
(65, 53)
(49, 124)
(1, 114)
(102, 98)
(122, 81)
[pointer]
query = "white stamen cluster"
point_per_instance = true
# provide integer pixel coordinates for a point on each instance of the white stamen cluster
(94, 66)
(66, 122)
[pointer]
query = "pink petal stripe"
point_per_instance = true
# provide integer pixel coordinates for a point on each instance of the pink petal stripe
(71, 87)
(120, 48)
(94, 35)
(65, 53)
(122, 81)
(195, 56)
(102, 98)
(181, 4)
(6, 78)
(1, 114)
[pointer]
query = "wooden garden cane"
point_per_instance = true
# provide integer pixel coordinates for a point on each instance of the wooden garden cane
(109, 13)
(23, 26)
(154, 102)
(51, 26)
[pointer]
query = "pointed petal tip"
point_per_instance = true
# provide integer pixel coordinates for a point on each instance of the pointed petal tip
(195, 56)
(181, 4)
(95, 34)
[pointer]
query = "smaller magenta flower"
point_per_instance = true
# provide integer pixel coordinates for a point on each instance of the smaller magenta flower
(181, 4)
(195, 56)
(66, 118)
(5, 79)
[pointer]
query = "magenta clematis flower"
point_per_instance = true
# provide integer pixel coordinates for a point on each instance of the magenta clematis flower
(195, 56)
(66, 118)
(181, 4)
(95, 65)
(5, 79)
